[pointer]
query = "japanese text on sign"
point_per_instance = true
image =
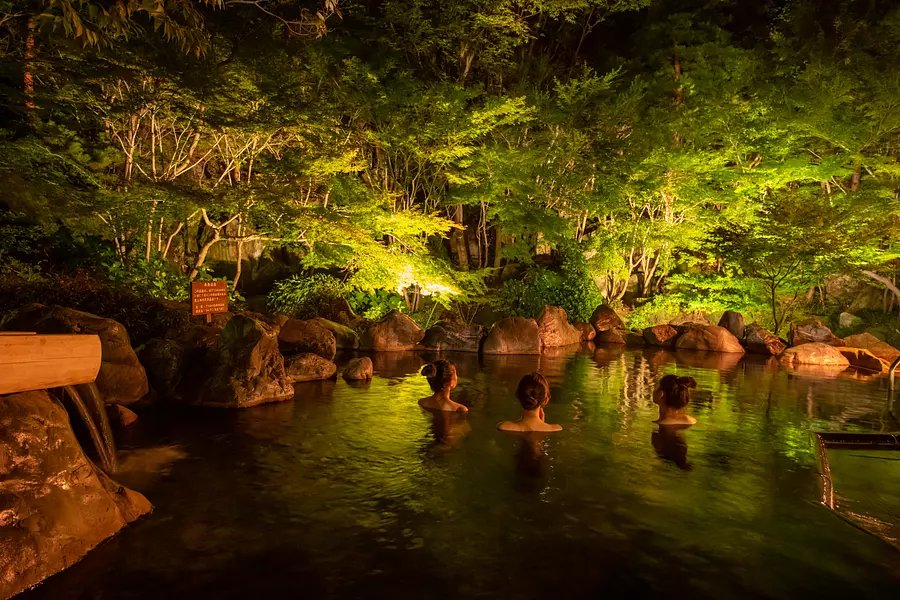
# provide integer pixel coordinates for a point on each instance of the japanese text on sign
(208, 297)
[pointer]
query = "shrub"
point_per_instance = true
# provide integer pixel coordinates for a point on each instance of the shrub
(306, 296)
(374, 305)
(571, 287)
(151, 279)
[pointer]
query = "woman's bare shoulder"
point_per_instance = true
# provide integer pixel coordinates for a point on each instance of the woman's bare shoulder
(508, 426)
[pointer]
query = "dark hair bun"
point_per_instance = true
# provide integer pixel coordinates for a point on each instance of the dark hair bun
(688, 382)
(533, 391)
(677, 390)
(440, 374)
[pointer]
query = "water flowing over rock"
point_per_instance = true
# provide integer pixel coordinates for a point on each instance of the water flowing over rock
(610, 336)
(359, 369)
(298, 337)
(814, 353)
(863, 359)
(813, 331)
(308, 367)
(733, 322)
(245, 368)
(710, 338)
(760, 341)
(393, 333)
(513, 335)
(661, 335)
(553, 324)
(605, 318)
(587, 330)
(456, 336)
(122, 379)
(55, 504)
(869, 342)
(345, 338)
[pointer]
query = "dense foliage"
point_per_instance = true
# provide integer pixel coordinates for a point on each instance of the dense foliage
(672, 155)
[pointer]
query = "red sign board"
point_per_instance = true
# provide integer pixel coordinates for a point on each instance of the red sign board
(208, 297)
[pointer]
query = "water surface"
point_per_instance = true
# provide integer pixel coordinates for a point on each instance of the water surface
(352, 491)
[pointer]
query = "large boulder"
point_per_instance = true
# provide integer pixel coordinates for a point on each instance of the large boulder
(587, 330)
(455, 336)
(513, 335)
(555, 330)
(760, 341)
(359, 369)
(709, 339)
(120, 416)
(308, 367)
(813, 331)
(394, 332)
(298, 337)
(122, 379)
(863, 359)
(245, 367)
(164, 362)
(869, 342)
(663, 336)
(611, 336)
(634, 339)
(814, 353)
(849, 320)
(734, 322)
(345, 338)
(605, 318)
(55, 505)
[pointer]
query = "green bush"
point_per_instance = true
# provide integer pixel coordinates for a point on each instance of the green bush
(571, 287)
(150, 279)
(306, 296)
(374, 305)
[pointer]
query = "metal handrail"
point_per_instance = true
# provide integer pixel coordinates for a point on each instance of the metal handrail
(894, 365)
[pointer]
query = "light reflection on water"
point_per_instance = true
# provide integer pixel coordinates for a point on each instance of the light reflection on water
(353, 491)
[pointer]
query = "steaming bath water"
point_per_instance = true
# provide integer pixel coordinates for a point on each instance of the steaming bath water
(352, 491)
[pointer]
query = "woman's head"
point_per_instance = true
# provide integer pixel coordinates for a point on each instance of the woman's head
(441, 375)
(674, 391)
(533, 391)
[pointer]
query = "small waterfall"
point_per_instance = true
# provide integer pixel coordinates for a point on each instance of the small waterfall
(93, 413)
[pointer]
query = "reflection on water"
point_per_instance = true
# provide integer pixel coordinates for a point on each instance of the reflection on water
(355, 492)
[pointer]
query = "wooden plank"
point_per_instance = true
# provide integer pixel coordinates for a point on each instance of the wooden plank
(17, 333)
(47, 361)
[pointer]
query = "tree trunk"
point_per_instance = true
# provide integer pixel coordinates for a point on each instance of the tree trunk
(679, 90)
(240, 256)
(458, 240)
(498, 244)
(28, 66)
(150, 230)
(165, 251)
(474, 244)
(774, 301)
(884, 281)
(854, 180)
(204, 250)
